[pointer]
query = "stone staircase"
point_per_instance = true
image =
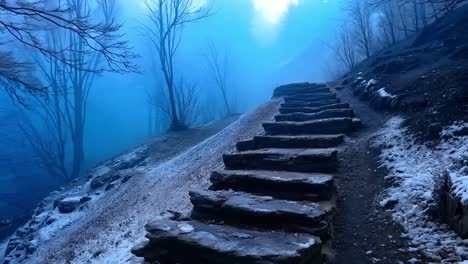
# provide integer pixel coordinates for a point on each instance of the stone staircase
(274, 201)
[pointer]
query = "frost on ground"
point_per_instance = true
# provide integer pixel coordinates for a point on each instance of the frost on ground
(415, 170)
(107, 229)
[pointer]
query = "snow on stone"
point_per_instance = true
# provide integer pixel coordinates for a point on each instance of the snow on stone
(416, 169)
(371, 82)
(383, 93)
(185, 228)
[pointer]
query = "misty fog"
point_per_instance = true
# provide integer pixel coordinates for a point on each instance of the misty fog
(266, 44)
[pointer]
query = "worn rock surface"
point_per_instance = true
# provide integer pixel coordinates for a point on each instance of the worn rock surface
(264, 212)
(302, 117)
(279, 184)
(301, 160)
(289, 110)
(308, 141)
(321, 126)
(196, 242)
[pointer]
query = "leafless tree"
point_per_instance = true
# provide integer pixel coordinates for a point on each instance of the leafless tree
(167, 20)
(59, 138)
(344, 47)
(360, 12)
(219, 70)
(20, 24)
(186, 99)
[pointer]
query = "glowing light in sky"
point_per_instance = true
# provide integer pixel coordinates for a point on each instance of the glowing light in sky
(273, 11)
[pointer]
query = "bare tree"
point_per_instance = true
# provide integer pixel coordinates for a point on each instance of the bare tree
(63, 108)
(219, 69)
(167, 19)
(344, 47)
(21, 21)
(360, 12)
(186, 99)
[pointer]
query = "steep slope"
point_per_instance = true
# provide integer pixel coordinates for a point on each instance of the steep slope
(121, 195)
(422, 82)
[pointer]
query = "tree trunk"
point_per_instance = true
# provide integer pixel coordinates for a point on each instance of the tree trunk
(78, 133)
(416, 16)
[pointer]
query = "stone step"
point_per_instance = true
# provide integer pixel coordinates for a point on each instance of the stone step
(300, 89)
(260, 212)
(311, 141)
(302, 117)
(321, 126)
(195, 242)
(310, 104)
(357, 123)
(289, 110)
(300, 160)
(310, 97)
(279, 184)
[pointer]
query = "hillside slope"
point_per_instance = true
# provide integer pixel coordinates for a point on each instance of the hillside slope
(107, 220)
(422, 83)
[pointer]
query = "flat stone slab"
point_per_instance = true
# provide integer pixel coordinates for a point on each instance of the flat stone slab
(263, 212)
(300, 160)
(310, 104)
(279, 184)
(195, 242)
(289, 110)
(300, 89)
(321, 126)
(301, 117)
(310, 97)
(308, 141)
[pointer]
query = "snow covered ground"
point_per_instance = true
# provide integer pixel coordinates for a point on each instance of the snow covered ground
(416, 169)
(106, 229)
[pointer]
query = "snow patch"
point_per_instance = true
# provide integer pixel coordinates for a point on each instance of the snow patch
(416, 169)
(383, 93)
(185, 228)
(455, 148)
(371, 82)
(307, 244)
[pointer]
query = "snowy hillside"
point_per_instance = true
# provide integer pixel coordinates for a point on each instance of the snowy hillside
(100, 220)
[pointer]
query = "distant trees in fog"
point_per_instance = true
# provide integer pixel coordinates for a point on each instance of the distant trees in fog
(219, 67)
(56, 129)
(22, 25)
(167, 19)
(375, 24)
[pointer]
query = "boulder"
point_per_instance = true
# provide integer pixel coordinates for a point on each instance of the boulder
(196, 242)
(70, 204)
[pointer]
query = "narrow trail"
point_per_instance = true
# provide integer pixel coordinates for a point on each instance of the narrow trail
(365, 232)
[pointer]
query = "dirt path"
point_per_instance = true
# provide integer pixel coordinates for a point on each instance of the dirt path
(365, 232)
